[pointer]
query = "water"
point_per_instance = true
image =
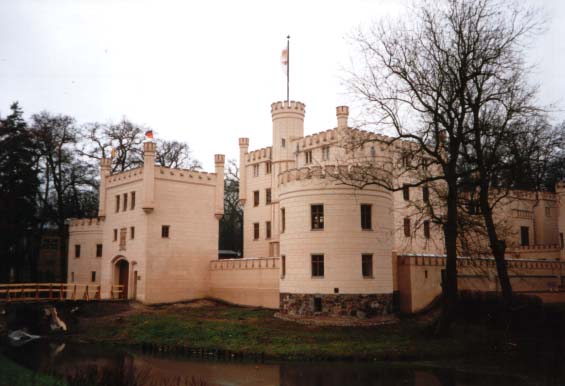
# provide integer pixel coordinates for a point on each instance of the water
(67, 359)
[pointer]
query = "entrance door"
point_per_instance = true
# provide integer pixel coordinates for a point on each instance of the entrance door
(123, 277)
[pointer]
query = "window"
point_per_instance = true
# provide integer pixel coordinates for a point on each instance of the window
(255, 170)
(118, 203)
(317, 213)
(308, 157)
(561, 239)
(132, 200)
(268, 166)
(123, 234)
(524, 236)
(268, 229)
(406, 192)
(283, 142)
(77, 251)
(427, 229)
(72, 277)
(165, 231)
(548, 211)
(373, 152)
(283, 220)
(256, 231)
(366, 217)
(256, 198)
(115, 234)
(132, 233)
(425, 194)
(125, 202)
(317, 265)
(283, 266)
(325, 153)
(93, 276)
(406, 227)
(268, 196)
(98, 250)
(367, 265)
(318, 304)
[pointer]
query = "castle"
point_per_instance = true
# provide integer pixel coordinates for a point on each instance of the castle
(312, 244)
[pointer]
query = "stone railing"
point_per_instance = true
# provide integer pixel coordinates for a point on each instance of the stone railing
(245, 263)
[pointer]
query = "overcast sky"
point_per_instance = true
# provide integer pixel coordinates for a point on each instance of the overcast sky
(203, 72)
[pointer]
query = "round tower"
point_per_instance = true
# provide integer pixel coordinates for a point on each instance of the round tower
(288, 124)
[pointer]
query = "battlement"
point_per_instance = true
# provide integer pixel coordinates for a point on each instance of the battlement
(124, 177)
(335, 172)
(321, 138)
(244, 142)
(78, 224)
(291, 106)
(342, 110)
(260, 154)
(532, 195)
(185, 175)
(219, 158)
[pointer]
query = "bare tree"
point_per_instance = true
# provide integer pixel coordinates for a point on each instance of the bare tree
(175, 154)
(231, 224)
(426, 83)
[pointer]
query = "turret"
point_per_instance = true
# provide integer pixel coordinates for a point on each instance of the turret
(288, 124)
(149, 149)
(243, 149)
(342, 113)
(219, 163)
(105, 166)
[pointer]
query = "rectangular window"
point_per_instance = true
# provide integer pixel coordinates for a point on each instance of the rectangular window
(98, 250)
(268, 196)
(406, 227)
(125, 202)
(425, 194)
(72, 277)
(317, 215)
(77, 251)
(562, 241)
(548, 211)
(255, 170)
(93, 276)
(283, 142)
(317, 265)
(256, 231)
(283, 220)
(283, 266)
(117, 203)
(256, 198)
(115, 235)
(366, 221)
(123, 234)
(268, 229)
(132, 233)
(426, 229)
(268, 166)
(132, 200)
(367, 265)
(524, 236)
(308, 157)
(406, 192)
(325, 153)
(165, 231)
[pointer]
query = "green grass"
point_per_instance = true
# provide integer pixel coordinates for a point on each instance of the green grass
(12, 374)
(257, 331)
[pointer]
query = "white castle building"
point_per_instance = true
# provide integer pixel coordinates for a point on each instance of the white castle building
(312, 244)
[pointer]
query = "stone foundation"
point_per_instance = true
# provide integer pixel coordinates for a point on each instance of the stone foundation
(366, 305)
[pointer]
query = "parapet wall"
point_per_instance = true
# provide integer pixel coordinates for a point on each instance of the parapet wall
(85, 225)
(259, 155)
(419, 278)
(124, 177)
(185, 175)
(249, 282)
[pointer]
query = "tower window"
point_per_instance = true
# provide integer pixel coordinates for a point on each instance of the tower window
(406, 227)
(283, 142)
(317, 265)
(283, 266)
(317, 216)
(268, 166)
(268, 196)
(256, 231)
(132, 200)
(425, 194)
(132, 233)
(93, 276)
(98, 250)
(77, 251)
(366, 223)
(426, 229)
(117, 203)
(308, 157)
(256, 198)
(406, 192)
(165, 231)
(125, 207)
(115, 234)
(283, 220)
(268, 229)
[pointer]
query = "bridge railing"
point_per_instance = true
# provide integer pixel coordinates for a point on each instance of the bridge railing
(21, 292)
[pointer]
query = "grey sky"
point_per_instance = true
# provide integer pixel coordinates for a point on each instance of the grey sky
(204, 72)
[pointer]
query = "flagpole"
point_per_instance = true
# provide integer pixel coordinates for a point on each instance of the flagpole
(287, 68)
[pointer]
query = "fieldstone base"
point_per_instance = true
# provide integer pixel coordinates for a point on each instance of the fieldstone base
(361, 306)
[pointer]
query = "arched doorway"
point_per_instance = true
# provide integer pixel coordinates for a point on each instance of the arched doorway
(122, 277)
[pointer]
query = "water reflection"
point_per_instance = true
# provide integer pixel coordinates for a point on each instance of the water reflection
(68, 359)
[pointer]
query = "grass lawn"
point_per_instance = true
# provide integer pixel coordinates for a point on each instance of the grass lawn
(258, 331)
